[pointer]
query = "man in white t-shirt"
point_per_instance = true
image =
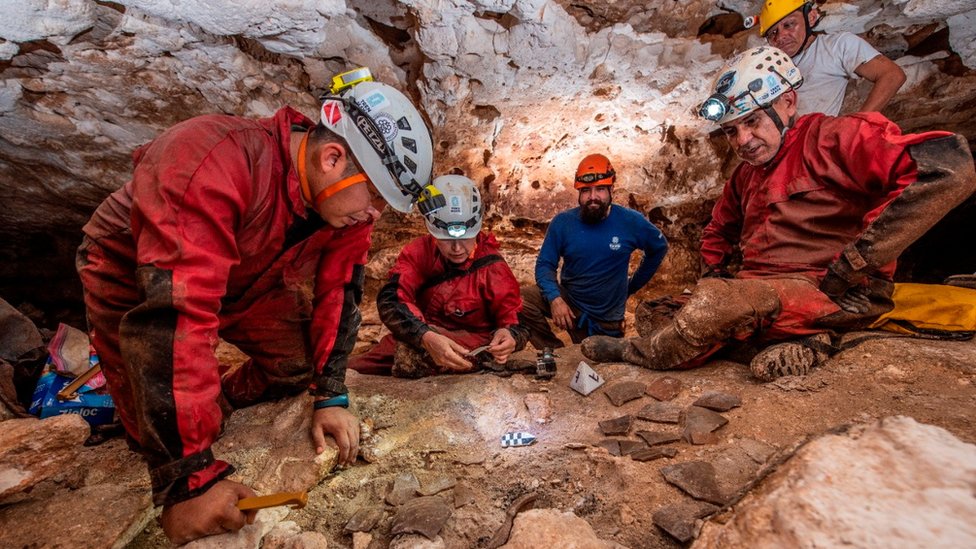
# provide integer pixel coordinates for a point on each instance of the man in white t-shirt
(827, 61)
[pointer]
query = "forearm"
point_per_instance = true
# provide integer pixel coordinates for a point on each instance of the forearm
(398, 316)
(883, 90)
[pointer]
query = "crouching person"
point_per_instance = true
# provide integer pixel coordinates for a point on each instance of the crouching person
(449, 293)
(820, 209)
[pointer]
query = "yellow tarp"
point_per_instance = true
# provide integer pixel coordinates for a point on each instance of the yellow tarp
(930, 308)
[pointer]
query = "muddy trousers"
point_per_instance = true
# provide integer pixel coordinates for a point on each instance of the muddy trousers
(383, 357)
(721, 311)
(535, 316)
(270, 324)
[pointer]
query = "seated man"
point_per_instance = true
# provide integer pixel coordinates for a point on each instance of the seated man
(827, 61)
(448, 293)
(595, 242)
(820, 210)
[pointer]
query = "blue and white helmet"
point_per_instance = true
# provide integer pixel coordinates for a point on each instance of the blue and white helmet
(462, 213)
(751, 80)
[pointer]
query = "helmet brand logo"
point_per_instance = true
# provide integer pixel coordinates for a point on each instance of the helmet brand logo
(331, 113)
(370, 133)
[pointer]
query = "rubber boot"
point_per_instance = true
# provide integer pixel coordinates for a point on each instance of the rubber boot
(601, 348)
(793, 358)
(665, 349)
(412, 363)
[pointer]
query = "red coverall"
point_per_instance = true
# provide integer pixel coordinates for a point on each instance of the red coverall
(465, 302)
(211, 239)
(797, 215)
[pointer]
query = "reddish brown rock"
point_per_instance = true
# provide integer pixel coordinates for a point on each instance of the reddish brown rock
(35, 450)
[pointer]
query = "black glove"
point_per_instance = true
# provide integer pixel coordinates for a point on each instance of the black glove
(834, 283)
(714, 271)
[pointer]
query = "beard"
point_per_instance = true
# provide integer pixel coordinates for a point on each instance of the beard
(594, 211)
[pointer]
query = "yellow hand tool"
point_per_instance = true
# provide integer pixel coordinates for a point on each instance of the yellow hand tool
(296, 499)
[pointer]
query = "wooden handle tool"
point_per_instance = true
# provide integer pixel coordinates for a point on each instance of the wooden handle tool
(296, 499)
(70, 390)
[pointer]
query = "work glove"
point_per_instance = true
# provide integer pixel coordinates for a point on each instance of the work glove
(838, 285)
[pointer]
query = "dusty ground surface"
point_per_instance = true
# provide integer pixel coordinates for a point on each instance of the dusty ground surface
(449, 427)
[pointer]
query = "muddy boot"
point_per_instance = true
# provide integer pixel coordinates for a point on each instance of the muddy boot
(601, 348)
(511, 366)
(793, 358)
(412, 363)
(663, 350)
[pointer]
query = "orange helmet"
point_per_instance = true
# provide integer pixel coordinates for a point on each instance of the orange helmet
(594, 171)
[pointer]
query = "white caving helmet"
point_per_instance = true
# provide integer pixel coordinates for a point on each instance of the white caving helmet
(750, 81)
(461, 216)
(388, 137)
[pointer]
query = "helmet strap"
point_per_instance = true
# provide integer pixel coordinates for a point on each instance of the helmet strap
(807, 27)
(338, 186)
(302, 173)
(771, 113)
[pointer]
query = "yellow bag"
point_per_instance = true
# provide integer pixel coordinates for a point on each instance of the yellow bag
(932, 310)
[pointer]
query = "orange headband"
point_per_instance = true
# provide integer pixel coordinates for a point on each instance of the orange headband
(302, 176)
(338, 186)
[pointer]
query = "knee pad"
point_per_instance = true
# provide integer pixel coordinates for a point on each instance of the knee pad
(719, 308)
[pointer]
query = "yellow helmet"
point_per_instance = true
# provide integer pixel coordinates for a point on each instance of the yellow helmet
(773, 11)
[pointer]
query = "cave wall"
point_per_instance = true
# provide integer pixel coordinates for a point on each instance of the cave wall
(517, 90)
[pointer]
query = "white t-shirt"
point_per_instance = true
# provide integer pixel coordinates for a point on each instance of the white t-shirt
(826, 65)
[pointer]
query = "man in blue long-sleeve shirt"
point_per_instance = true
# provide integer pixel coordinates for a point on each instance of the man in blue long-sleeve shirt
(594, 242)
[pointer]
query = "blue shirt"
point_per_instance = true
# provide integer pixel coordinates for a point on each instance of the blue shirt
(595, 260)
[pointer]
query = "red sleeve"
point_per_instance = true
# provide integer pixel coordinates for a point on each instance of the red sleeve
(336, 318)
(723, 231)
(184, 220)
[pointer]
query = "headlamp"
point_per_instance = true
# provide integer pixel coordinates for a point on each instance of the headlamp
(349, 79)
(714, 108)
(594, 177)
(455, 229)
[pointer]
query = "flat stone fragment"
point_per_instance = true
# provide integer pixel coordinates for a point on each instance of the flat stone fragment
(653, 438)
(364, 520)
(679, 519)
(612, 445)
(617, 426)
(660, 412)
(625, 391)
(437, 485)
(628, 447)
(650, 454)
(718, 401)
(463, 495)
(664, 388)
(698, 423)
(424, 515)
(696, 478)
(404, 489)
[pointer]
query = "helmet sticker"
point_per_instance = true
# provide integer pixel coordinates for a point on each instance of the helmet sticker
(331, 112)
(725, 82)
(771, 82)
(374, 101)
(386, 126)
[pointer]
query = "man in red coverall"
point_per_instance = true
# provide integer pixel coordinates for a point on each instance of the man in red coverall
(254, 231)
(449, 292)
(820, 209)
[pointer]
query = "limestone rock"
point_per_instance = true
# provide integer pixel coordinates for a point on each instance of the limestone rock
(918, 479)
(539, 406)
(553, 528)
(35, 450)
(99, 516)
(248, 537)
